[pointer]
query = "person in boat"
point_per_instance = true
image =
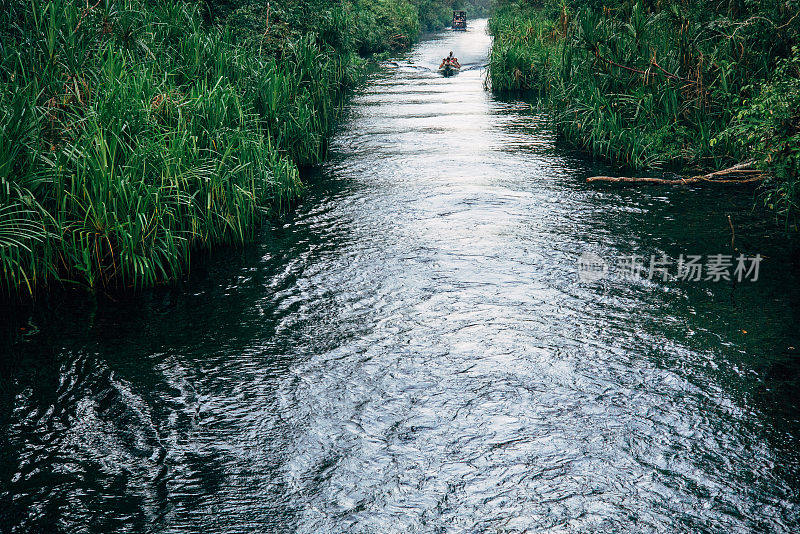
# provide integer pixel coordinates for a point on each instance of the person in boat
(450, 60)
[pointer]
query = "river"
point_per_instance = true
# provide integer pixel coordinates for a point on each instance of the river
(417, 349)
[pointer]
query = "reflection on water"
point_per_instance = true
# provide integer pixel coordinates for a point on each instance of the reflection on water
(412, 352)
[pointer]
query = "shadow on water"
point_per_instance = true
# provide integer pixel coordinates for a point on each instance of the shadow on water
(412, 351)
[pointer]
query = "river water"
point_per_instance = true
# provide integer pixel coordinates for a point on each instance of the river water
(415, 349)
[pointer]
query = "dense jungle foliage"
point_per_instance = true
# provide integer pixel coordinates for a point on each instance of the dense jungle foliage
(658, 83)
(133, 132)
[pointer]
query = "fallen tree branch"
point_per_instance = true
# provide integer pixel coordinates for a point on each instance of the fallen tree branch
(742, 173)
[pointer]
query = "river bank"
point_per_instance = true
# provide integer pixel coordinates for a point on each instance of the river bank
(134, 133)
(650, 85)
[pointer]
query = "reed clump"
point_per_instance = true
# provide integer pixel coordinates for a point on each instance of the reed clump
(135, 132)
(647, 83)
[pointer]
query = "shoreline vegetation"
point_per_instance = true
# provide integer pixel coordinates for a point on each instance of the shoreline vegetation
(134, 132)
(653, 84)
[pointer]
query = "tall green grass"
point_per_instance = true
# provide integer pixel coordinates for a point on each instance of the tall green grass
(132, 133)
(653, 84)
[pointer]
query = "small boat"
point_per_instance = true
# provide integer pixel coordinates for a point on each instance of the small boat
(449, 65)
(448, 69)
(459, 21)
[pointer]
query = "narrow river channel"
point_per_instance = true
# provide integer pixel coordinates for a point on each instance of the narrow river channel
(414, 350)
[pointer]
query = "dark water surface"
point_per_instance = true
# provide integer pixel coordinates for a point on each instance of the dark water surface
(412, 351)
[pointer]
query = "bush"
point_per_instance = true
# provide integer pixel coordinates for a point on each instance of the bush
(133, 134)
(653, 84)
(768, 125)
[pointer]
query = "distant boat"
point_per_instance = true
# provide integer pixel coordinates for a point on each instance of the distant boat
(459, 21)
